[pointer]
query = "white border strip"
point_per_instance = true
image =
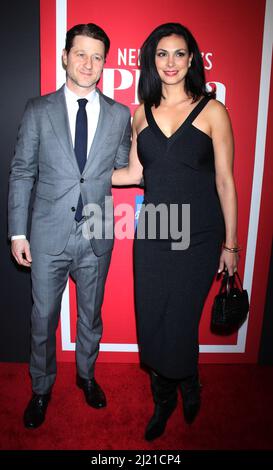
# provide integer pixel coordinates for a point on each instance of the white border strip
(259, 159)
(67, 345)
(61, 27)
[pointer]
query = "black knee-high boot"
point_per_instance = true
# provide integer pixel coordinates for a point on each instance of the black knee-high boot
(165, 398)
(190, 388)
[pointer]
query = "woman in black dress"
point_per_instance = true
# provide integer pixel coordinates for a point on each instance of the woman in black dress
(183, 148)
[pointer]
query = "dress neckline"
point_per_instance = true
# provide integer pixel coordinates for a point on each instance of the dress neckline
(189, 119)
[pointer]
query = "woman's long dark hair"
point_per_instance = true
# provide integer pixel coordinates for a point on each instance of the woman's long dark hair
(150, 85)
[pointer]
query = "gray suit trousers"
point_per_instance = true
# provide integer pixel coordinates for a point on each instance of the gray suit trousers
(49, 275)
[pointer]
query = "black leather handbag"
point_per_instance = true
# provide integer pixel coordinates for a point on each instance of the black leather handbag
(230, 306)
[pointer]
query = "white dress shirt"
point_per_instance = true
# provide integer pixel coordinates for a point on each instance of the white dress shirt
(92, 110)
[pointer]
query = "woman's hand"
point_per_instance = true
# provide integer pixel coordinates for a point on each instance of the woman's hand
(228, 262)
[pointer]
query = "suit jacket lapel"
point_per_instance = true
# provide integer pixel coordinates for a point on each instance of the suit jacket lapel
(105, 121)
(58, 115)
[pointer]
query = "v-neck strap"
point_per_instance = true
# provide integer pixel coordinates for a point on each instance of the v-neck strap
(149, 114)
(152, 122)
(197, 110)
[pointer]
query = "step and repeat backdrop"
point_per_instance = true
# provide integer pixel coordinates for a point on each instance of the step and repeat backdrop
(235, 38)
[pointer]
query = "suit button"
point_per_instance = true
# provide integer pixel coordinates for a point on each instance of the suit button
(73, 209)
(82, 180)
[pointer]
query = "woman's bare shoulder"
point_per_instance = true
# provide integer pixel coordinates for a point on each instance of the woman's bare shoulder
(139, 112)
(139, 118)
(215, 107)
(217, 114)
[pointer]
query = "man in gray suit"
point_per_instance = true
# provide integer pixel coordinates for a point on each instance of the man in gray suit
(69, 142)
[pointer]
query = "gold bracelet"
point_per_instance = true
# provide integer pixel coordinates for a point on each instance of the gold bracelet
(233, 249)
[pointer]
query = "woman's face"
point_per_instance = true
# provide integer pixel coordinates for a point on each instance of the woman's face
(172, 59)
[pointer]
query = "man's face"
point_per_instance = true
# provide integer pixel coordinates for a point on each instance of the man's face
(84, 64)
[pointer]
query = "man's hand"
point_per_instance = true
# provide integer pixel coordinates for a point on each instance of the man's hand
(21, 252)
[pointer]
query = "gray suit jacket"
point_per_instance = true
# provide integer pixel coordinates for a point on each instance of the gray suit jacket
(44, 153)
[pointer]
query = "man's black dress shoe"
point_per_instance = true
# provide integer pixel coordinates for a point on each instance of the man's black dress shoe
(94, 395)
(35, 411)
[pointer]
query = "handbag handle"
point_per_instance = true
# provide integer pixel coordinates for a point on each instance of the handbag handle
(233, 280)
(224, 284)
(228, 282)
(240, 282)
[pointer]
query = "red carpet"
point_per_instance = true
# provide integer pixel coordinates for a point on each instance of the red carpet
(236, 412)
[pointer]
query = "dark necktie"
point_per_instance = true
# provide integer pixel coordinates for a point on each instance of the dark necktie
(81, 146)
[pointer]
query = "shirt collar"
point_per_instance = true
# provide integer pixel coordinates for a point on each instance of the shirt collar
(72, 97)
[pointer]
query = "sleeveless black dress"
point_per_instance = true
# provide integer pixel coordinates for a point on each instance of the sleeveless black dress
(171, 286)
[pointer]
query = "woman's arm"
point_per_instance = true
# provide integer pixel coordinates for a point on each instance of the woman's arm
(222, 138)
(132, 174)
